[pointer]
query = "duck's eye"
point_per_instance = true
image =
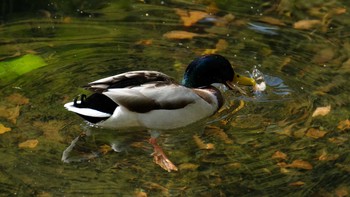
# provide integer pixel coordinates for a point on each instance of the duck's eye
(237, 76)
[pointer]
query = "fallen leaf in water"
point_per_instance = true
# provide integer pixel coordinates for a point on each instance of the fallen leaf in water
(300, 164)
(10, 113)
(321, 111)
(343, 125)
(212, 8)
(342, 191)
(279, 155)
(323, 56)
(67, 20)
(180, 35)
(28, 144)
(51, 129)
(221, 45)
(201, 145)
(223, 21)
(190, 17)
(156, 186)
(17, 99)
(144, 42)
(140, 194)
(272, 21)
(104, 149)
(307, 24)
(315, 133)
(233, 166)
(327, 157)
(218, 132)
(338, 11)
(209, 51)
(44, 194)
(338, 140)
(188, 166)
(4, 129)
(297, 183)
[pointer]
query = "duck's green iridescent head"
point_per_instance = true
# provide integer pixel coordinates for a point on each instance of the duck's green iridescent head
(213, 68)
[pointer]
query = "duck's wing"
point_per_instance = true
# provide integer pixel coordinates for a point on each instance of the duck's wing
(143, 99)
(128, 80)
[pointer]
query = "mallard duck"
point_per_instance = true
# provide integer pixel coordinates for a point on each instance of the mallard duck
(155, 101)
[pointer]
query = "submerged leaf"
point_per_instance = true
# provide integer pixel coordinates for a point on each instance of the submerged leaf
(321, 111)
(51, 129)
(279, 155)
(201, 145)
(104, 149)
(17, 99)
(307, 24)
(297, 183)
(180, 35)
(188, 166)
(190, 17)
(315, 133)
(218, 132)
(324, 56)
(301, 164)
(272, 21)
(28, 144)
(10, 113)
(343, 125)
(4, 129)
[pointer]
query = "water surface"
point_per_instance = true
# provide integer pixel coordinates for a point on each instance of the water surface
(274, 145)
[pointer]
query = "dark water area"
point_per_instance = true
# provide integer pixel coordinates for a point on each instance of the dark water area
(290, 140)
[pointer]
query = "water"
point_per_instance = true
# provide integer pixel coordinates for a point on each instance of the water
(271, 146)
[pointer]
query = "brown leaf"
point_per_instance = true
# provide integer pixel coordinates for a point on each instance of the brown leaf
(327, 157)
(315, 133)
(144, 42)
(323, 56)
(212, 8)
(190, 17)
(28, 144)
(51, 129)
(307, 24)
(218, 132)
(272, 21)
(343, 125)
(180, 35)
(297, 183)
(188, 166)
(221, 45)
(140, 194)
(201, 145)
(321, 111)
(338, 140)
(104, 149)
(233, 166)
(4, 129)
(17, 99)
(300, 164)
(338, 11)
(10, 113)
(342, 191)
(279, 155)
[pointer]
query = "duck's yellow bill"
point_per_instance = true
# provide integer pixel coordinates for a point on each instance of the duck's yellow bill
(241, 80)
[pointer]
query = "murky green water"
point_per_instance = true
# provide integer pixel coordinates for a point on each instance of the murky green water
(273, 146)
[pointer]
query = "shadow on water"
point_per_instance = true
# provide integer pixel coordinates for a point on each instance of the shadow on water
(292, 139)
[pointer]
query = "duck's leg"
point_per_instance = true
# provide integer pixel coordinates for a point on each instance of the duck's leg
(159, 156)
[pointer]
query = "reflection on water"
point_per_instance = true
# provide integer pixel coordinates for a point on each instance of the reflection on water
(291, 139)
